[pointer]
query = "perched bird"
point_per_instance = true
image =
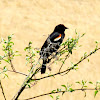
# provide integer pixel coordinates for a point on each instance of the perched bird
(52, 44)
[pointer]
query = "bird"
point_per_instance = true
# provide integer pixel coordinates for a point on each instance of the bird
(52, 44)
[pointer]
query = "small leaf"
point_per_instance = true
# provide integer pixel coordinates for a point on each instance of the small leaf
(38, 51)
(12, 43)
(83, 34)
(78, 82)
(83, 82)
(5, 69)
(1, 57)
(57, 97)
(6, 60)
(53, 91)
(64, 86)
(91, 82)
(16, 51)
(96, 41)
(71, 90)
(30, 42)
(6, 75)
(95, 93)
(58, 89)
(29, 86)
(51, 96)
(85, 86)
(98, 82)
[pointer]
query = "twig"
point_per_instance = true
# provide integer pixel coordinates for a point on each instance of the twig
(57, 92)
(68, 70)
(27, 79)
(15, 71)
(2, 90)
(9, 55)
(64, 61)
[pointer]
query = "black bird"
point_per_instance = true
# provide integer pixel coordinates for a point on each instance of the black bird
(52, 44)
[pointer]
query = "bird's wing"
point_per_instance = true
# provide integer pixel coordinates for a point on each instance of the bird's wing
(55, 36)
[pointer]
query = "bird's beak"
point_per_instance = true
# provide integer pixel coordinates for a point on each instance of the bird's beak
(66, 28)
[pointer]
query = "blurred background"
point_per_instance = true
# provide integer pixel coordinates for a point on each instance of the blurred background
(34, 20)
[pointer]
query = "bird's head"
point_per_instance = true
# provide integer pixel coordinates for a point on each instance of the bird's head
(60, 28)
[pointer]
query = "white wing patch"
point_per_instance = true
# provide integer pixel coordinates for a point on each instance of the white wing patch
(57, 38)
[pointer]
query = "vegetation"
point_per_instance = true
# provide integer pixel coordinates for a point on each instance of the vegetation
(31, 79)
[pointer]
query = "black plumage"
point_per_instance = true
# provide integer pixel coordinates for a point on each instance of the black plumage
(52, 44)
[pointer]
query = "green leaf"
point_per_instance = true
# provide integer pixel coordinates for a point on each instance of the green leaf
(83, 34)
(57, 97)
(18, 55)
(95, 93)
(51, 96)
(6, 60)
(5, 41)
(29, 86)
(91, 82)
(58, 89)
(88, 60)
(53, 91)
(78, 82)
(1, 57)
(64, 86)
(6, 75)
(98, 82)
(12, 43)
(5, 69)
(30, 42)
(16, 51)
(83, 83)
(85, 86)
(76, 32)
(4, 46)
(96, 41)
(38, 51)
(71, 90)
(85, 54)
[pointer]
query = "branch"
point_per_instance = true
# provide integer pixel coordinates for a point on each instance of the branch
(68, 70)
(64, 61)
(15, 71)
(12, 66)
(2, 90)
(58, 92)
(27, 79)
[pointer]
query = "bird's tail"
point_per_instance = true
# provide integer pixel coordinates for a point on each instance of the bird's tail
(43, 69)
